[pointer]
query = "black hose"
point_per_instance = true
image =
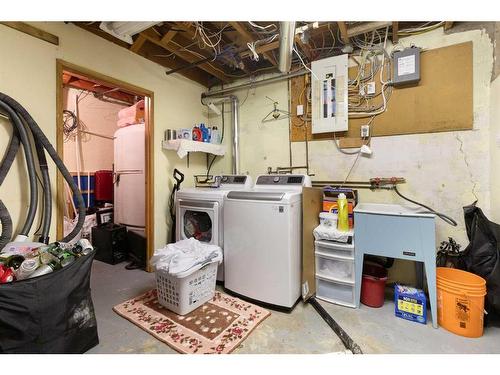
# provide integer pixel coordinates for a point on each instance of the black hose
(9, 156)
(443, 217)
(47, 192)
(6, 222)
(30, 165)
(38, 134)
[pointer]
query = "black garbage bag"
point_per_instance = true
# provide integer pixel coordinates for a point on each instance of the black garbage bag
(482, 255)
(53, 313)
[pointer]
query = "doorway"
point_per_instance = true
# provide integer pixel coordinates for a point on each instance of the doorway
(99, 119)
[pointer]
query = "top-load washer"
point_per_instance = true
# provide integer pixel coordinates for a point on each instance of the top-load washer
(199, 211)
(263, 240)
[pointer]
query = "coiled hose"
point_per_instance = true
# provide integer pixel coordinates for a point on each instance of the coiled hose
(42, 140)
(30, 164)
(6, 223)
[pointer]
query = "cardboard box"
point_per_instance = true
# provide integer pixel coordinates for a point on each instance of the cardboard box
(410, 304)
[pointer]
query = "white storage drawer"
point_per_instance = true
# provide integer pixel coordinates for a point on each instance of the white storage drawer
(337, 268)
(335, 248)
(330, 291)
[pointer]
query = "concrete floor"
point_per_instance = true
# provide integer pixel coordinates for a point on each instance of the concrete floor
(302, 331)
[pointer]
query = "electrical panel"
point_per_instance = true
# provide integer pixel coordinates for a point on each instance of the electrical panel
(329, 94)
(406, 65)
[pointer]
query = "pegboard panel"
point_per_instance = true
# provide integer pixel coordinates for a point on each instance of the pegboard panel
(441, 102)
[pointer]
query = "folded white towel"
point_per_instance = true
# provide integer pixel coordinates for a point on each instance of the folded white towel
(323, 232)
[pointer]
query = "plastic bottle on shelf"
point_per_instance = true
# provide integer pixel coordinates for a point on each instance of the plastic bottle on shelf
(197, 135)
(215, 136)
(343, 214)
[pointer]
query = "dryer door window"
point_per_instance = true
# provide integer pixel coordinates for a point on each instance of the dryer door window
(199, 220)
(198, 224)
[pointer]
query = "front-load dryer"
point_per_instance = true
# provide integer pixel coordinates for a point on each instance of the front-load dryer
(200, 215)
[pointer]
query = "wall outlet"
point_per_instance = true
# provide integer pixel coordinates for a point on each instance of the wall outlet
(300, 110)
(365, 131)
(370, 88)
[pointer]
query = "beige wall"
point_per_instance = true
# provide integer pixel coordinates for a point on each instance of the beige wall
(433, 165)
(96, 153)
(28, 74)
(495, 150)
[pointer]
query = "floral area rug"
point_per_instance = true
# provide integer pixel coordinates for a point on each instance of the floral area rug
(216, 327)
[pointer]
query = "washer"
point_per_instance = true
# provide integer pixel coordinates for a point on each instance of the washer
(263, 240)
(199, 211)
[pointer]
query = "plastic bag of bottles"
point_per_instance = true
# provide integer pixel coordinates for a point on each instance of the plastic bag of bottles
(45, 301)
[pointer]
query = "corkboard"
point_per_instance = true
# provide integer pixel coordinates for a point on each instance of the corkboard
(441, 102)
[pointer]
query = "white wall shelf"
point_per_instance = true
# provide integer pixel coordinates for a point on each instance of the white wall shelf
(185, 146)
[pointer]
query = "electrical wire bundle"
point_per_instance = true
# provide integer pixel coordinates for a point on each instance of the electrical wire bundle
(28, 134)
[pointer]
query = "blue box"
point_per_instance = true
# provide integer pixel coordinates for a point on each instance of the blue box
(410, 304)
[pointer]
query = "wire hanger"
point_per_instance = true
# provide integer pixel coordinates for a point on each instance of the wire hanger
(276, 114)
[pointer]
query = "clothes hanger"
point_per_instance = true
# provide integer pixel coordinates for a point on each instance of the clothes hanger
(276, 113)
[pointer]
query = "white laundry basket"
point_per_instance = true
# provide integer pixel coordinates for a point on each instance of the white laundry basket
(184, 294)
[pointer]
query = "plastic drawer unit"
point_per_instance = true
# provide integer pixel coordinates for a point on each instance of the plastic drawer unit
(335, 273)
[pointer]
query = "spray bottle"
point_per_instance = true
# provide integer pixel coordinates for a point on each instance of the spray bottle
(343, 214)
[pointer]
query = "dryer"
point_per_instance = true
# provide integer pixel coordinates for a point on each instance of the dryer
(263, 240)
(200, 215)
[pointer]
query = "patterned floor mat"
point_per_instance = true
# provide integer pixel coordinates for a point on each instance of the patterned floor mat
(216, 327)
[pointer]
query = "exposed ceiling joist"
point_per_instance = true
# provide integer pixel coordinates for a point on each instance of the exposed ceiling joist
(248, 38)
(177, 50)
(395, 29)
(343, 31)
(366, 27)
(138, 43)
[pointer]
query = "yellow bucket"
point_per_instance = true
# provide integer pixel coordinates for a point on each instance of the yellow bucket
(460, 298)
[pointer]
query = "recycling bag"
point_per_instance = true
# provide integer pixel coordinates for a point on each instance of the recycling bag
(482, 255)
(52, 313)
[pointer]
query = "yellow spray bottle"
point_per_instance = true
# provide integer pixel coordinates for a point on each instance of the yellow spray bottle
(343, 214)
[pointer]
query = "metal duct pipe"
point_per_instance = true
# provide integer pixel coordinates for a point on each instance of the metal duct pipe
(287, 35)
(235, 169)
(266, 81)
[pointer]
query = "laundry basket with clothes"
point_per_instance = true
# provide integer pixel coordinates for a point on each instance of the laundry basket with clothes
(186, 273)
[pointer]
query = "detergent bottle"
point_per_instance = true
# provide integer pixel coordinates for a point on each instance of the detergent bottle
(343, 214)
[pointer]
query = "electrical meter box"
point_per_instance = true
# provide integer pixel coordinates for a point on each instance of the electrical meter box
(329, 94)
(406, 65)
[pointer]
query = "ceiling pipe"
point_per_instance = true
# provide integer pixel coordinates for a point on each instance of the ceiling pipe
(287, 35)
(282, 77)
(235, 168)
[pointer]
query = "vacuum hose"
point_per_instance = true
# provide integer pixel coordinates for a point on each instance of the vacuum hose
(6, 223)
(17, 113)
(30, 163)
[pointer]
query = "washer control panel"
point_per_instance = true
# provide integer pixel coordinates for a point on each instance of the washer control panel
(232, 179)
(281, 179)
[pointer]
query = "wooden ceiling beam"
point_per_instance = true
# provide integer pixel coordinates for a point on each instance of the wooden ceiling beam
(151, 36)
(196, 75)
(82, 84)
(138, 43)
(248, 38)
(191, 33)
(395, 29)
(304, 47)
(366, 27)
(343, 31)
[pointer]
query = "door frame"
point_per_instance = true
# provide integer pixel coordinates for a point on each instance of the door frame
(62, 66)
